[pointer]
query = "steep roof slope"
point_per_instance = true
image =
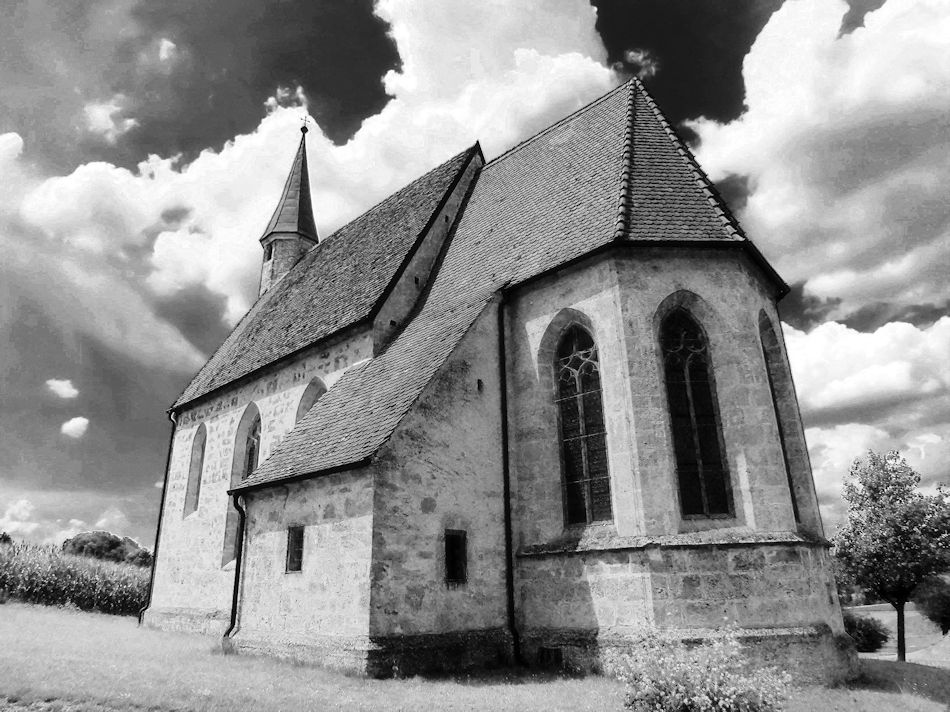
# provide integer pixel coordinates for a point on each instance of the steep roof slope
(294, 212)
(584, 182)
(335, 285)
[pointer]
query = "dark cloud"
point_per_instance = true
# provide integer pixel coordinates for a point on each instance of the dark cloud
(699, 48)
(122, 453)
(854, 17)
(805, 311)
(871, 317)
(735, 190)
(198, 313)
(225, 58)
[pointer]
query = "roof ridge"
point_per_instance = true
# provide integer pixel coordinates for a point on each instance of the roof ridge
(625, 199)
(707, 187)
(539, 134)
(470, 149)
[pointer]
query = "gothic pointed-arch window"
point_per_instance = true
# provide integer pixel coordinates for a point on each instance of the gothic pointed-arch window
(252, 448)
(247, 449)
(697, 440)
(193, 489)
(311, 395)
(586, 482)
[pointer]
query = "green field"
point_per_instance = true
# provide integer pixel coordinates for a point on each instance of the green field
(70, 661)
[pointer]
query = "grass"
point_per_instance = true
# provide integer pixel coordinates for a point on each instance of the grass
(56, 660)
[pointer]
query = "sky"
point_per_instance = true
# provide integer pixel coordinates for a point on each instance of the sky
(144, 143)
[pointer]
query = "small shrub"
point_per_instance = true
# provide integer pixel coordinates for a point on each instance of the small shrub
(869, 634)
(933, 600)
(667, 675)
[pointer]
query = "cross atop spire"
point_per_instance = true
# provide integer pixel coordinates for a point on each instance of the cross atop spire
(294, 213)
(292, 230)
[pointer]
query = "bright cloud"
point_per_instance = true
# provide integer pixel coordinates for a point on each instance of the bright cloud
(846, 142)
(63, 388)
(454, 87)
(167, 50)
(889, 389)
(17, 519)
(75, 427)
(113, 520)
(104, 118)
(841, 372)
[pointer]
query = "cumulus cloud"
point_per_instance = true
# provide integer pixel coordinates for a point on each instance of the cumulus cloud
(454, 87)
(63, 388)
(113, 520)
(889, 389)
(841, 372)
(846, 146)
(104, 118)
(75, 427)
(17, 519)
(167, 50)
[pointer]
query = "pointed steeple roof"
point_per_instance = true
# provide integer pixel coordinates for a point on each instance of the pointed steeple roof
(294, 213)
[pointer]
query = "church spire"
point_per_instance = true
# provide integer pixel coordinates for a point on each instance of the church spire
(291, 231)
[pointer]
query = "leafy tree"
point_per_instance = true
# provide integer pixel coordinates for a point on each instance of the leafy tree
(5, 538)
(933, 600)
(108, 546)
(895, 536)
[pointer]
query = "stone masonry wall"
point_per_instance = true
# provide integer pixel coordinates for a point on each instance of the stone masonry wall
(320, 613)
(595, 585)
(442, 469)
(192, 590)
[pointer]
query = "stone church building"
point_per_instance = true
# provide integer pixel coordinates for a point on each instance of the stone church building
(520, 409)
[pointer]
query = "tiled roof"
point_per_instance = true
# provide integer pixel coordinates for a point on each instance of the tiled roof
(611, 171)
(294, 213)
(335, 285)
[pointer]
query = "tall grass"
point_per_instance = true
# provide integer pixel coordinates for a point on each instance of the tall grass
(42, 574)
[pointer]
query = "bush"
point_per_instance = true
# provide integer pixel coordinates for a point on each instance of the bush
(869, 634)
(108, 547)
(933, 600)
(38, 574)
(666, 675)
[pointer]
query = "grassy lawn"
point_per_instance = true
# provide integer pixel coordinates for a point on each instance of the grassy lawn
(54, 660)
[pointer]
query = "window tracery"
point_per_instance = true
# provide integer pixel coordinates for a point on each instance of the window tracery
(700, 466)
(586, 481)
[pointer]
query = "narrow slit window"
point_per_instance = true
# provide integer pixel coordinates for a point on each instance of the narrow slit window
(269, 251)
(456, 557)
(586, 481)
(193, 490)
(700, 466)
(294, 549)
(252, 448)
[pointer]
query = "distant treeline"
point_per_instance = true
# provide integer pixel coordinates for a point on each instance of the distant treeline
(108, 547)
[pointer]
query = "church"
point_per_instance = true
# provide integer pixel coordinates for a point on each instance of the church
(522, 410)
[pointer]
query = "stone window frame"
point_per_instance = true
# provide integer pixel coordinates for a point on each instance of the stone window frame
(314, 391)
(239, 473)
(780, 389)
(199, 445)
(565, 320)
(703, 315)
(293, 561)
(455, 563)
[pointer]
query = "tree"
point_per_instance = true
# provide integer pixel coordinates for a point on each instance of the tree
(895, 536)
(933, 600)
(108, 546)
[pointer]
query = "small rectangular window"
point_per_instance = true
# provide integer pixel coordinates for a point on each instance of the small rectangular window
(269, 251)
(456, 557)
(294, 548)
